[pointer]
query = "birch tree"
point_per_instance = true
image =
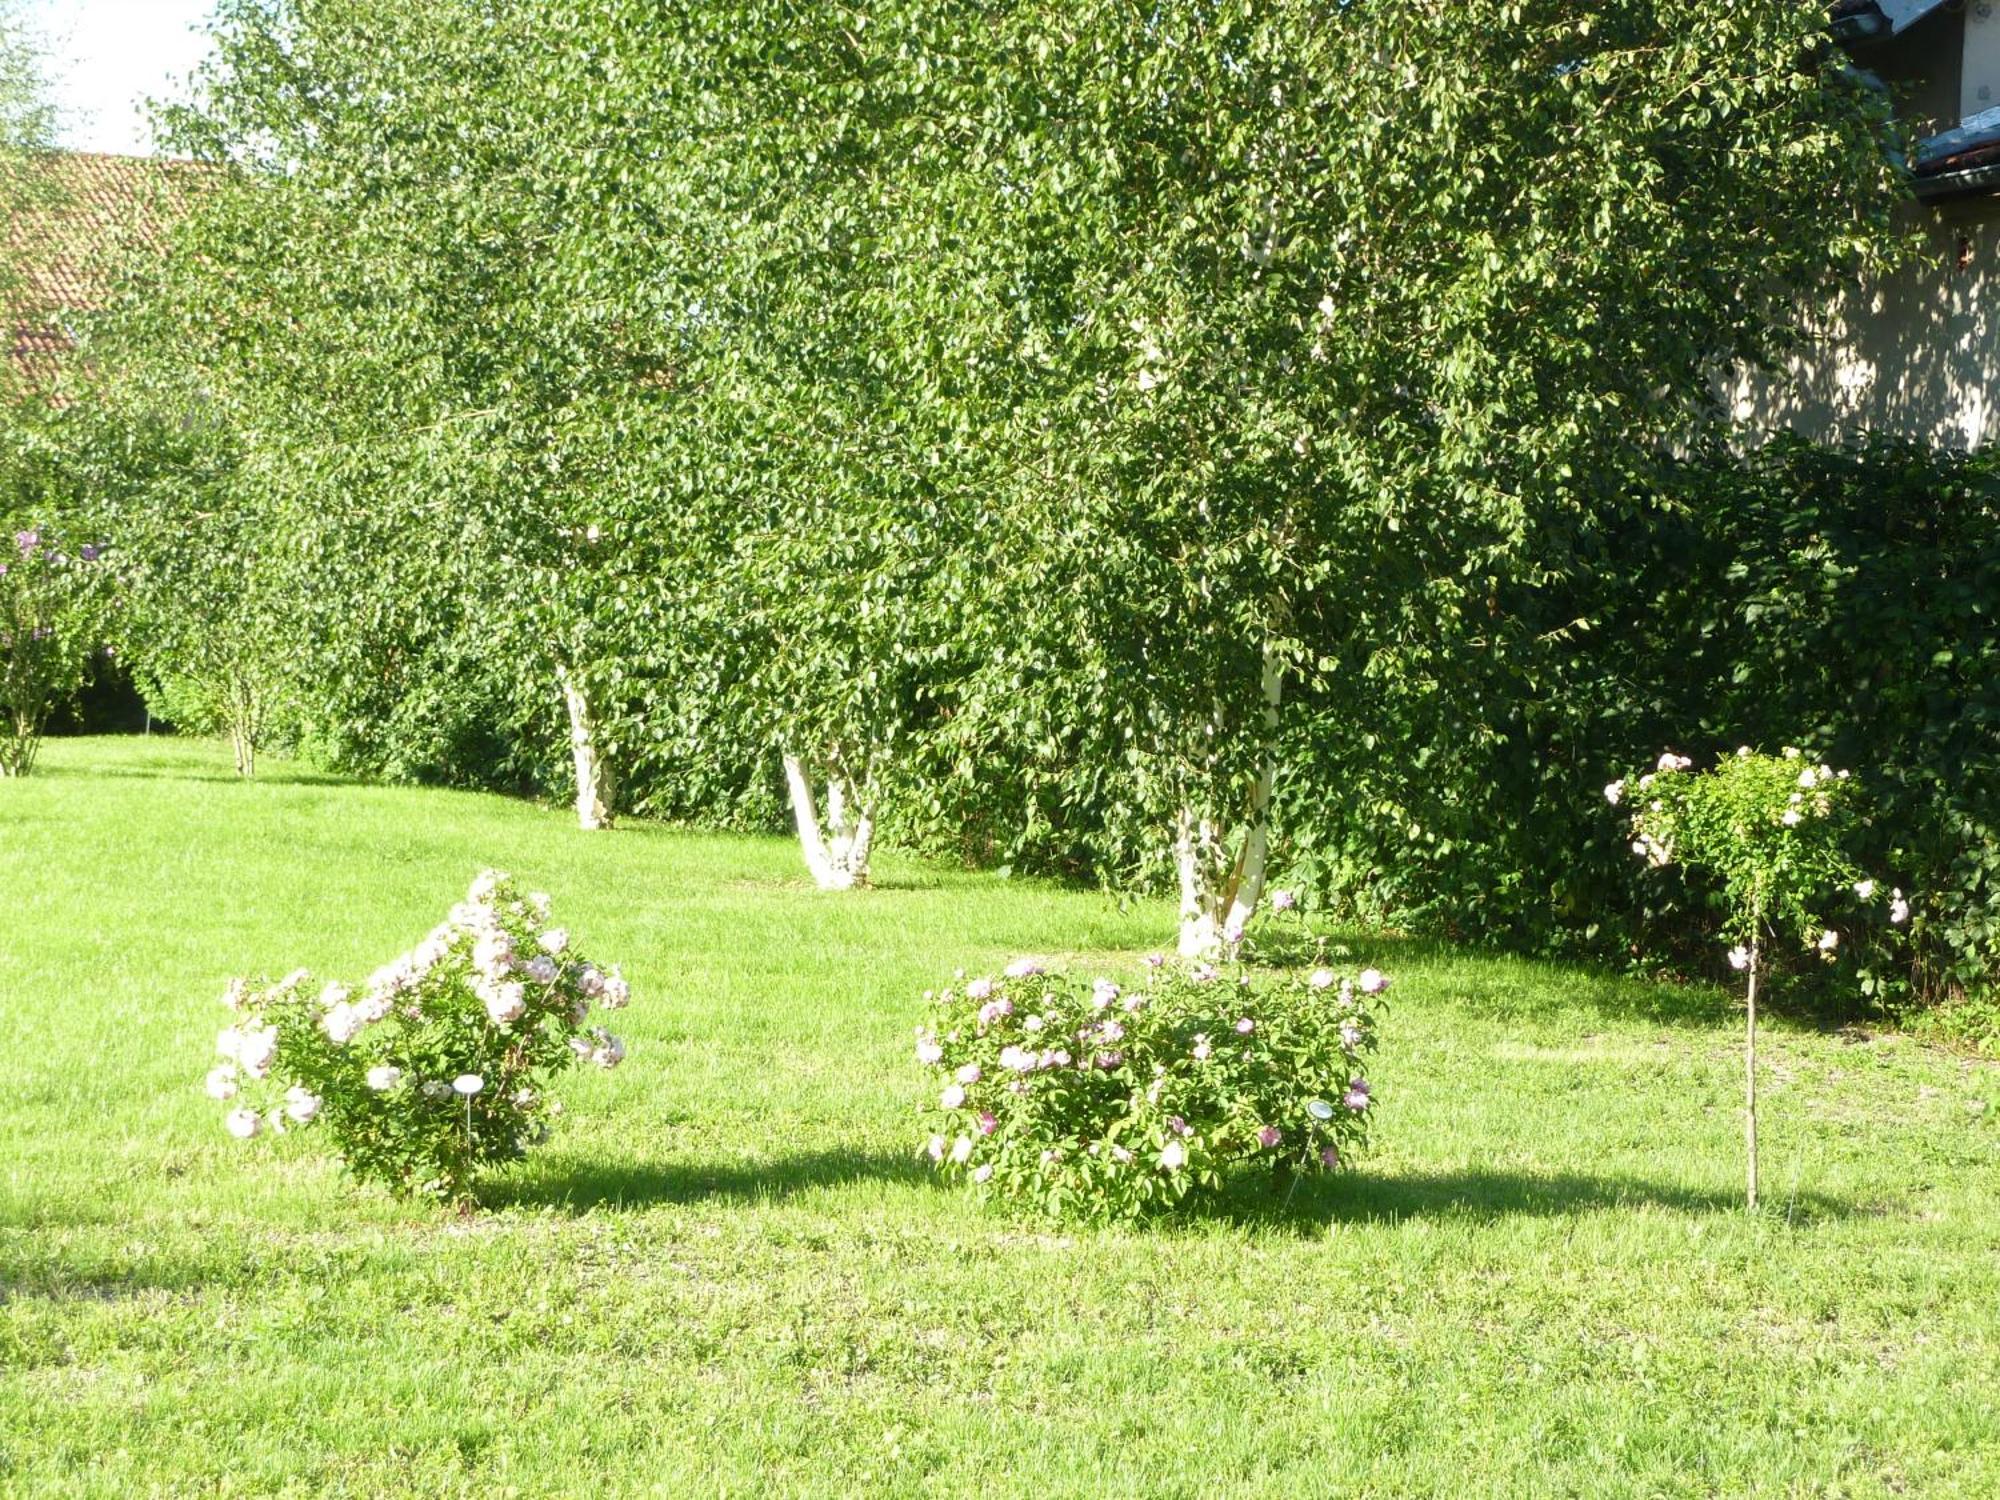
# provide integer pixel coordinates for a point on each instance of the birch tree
(1338, 315)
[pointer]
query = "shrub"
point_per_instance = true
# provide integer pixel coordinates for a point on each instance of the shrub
(441, 1065)
(51, 607)
(1092, 1100)
(1841, 599)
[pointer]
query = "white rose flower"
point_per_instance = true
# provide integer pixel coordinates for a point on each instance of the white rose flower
(542, 969)
(609, 1051)
(1829, 940)
(1791, 817)
(554, 940)
(301, 1104)
(221, 1082)
(384, 1077)
(1613, 791)
(332, 995)
(617, 994)
(341, 1024)
(1739, 957)
(372, 1008)
(1865, 889)
(493, 955)
(484, 884)
(257, 1050)
(1899, 909)
(243, 1123)
(504, 1002)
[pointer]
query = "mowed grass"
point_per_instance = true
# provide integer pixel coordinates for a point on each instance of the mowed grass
(728, 1274)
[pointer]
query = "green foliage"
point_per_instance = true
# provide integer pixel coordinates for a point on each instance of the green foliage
(441, 1068)
(1838, 599)
(1102, 1101)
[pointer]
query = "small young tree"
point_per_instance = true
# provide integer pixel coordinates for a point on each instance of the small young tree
(51, 613)
(1770, 828)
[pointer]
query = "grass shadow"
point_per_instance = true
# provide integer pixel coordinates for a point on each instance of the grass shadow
(585, 1187)
(1313, 1205)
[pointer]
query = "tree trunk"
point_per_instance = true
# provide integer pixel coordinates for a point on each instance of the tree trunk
(1219, 893)
(594, 789)
(244, 725)
(1750, 1078)
(17, 753)
(837, 857)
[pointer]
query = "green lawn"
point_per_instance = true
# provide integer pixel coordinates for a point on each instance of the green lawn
(728, 1274)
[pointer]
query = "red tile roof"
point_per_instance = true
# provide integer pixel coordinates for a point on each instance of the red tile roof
(61, 253)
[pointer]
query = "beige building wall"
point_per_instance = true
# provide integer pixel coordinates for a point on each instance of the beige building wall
(1917, 355)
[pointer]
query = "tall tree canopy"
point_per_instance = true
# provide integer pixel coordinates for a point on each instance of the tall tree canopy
(1084, 422)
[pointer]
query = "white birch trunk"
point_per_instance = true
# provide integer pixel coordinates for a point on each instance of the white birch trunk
(244, 722)
(836, 856)
(1219, 894)
(593, 777)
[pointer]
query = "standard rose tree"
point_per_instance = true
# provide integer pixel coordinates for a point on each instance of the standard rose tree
(440, 1064)
(1771, 829)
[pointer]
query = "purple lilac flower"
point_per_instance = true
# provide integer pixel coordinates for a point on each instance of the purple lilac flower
(1283, 901)
(88, 552)
(30, 542)
(1269, 1136)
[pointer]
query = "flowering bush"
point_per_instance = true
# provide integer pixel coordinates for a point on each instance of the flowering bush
(51, 601)
(440, 1064)
(1772, 828)
(1097, 1100)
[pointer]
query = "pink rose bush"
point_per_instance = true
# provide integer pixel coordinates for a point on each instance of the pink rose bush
(439, 1065)
(1086, 1098)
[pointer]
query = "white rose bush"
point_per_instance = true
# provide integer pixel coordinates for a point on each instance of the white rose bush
(437, 1067)
(1095, 1100)
(1772, 830)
